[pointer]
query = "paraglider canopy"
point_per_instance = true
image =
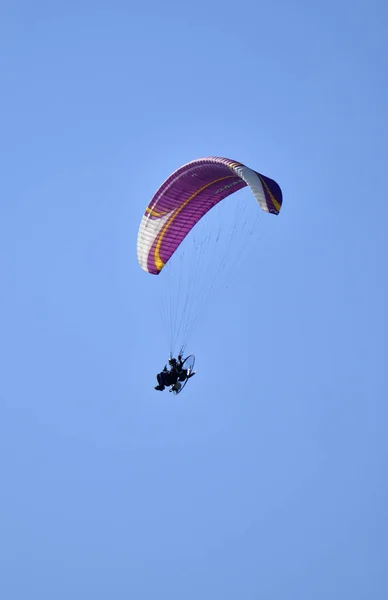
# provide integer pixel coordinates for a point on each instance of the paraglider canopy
(186, 196)
(210, 251)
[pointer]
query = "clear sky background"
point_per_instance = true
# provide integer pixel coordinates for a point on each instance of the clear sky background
(267, 477)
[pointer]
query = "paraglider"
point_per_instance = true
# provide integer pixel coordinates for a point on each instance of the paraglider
(178, 206)
(177, 375)
(186, 196)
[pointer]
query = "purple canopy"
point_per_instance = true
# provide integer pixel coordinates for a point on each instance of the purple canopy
(186, 196)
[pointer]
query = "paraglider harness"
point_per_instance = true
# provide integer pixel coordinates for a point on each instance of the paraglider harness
(178, 375)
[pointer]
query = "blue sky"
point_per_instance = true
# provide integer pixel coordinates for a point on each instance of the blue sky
(267, 477)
